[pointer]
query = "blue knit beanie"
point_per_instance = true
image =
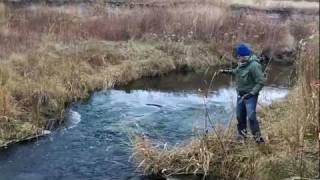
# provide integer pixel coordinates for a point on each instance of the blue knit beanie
(243, 49)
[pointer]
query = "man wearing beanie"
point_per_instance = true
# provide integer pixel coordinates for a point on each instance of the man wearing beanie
(249, 82)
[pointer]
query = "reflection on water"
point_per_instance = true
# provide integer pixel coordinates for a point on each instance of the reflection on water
(96, 145)
(279, 76)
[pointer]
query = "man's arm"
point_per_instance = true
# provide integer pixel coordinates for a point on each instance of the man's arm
(259, 78)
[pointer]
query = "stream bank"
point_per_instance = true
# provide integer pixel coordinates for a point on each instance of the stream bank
(94, 143)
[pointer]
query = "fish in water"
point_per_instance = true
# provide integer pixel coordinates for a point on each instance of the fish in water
(156, 105)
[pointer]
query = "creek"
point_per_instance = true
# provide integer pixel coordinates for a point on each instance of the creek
(95, 142)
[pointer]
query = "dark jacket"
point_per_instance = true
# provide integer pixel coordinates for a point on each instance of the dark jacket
(249, 76)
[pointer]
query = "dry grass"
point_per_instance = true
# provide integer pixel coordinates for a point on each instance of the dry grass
(313, 4)
(210, 23)
(290, 128)
(271, 4)
(52, 56)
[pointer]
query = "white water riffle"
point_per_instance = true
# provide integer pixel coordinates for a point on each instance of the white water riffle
(223, 99)
(267, 96)
(74, 118)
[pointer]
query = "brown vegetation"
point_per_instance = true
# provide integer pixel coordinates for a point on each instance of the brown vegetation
(51, 56)
(209, 23)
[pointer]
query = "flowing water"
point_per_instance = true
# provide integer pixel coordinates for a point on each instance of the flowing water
(95, 142)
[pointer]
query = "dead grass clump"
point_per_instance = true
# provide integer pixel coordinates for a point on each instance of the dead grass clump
(41, 20)
(301, 30)
(194, 158)
(207, 155)
(2, 13)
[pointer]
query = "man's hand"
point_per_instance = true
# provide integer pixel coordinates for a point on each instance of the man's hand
(246, 96)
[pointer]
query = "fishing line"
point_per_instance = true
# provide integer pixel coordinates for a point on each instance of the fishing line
(207, 115)
(206, 109)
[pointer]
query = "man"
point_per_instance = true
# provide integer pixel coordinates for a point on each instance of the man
(249, 82)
